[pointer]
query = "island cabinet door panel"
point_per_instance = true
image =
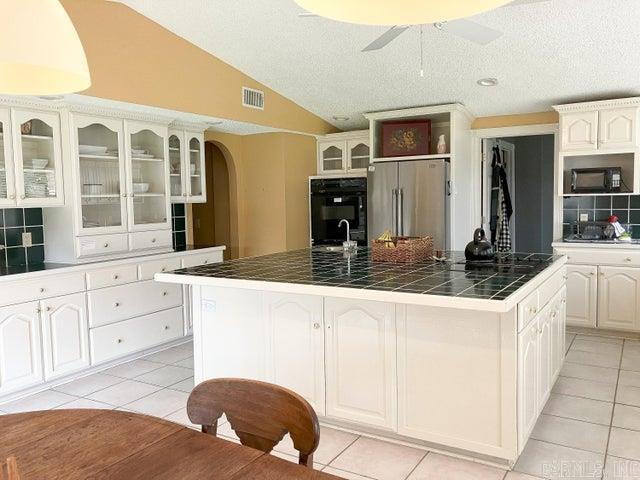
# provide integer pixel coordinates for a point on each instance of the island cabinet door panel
(579, 131)
(528, 381)
(233, 334)
(456, 378)
(557, 333)
(361, 361)
(65, 331)
(20, 352)
(582, 295)
(619, 298)
(545, 332)
(295, 350)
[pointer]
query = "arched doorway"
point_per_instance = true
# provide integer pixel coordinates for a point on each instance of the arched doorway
(212, 220)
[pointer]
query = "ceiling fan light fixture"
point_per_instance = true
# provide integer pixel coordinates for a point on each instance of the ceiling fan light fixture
(488, 82)
(40, 50)
(340, 118)
(398, 12)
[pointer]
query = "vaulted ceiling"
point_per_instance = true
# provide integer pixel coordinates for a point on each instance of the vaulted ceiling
(551, 52)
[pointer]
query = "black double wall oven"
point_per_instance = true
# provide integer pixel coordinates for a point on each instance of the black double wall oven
(334, 199)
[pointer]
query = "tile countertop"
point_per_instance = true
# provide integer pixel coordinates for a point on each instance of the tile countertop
(327, 272)
(48, 268)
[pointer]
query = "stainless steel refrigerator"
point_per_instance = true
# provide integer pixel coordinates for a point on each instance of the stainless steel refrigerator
(410, 198)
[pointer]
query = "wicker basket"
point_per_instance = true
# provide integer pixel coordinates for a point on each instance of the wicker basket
(403, 250)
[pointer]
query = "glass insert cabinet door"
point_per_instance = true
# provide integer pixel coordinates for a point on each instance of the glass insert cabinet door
(359, 154)
(148, 176)
(196, 166)
(7, 185)
(37, 154)
(101, 175)
(176, 166)
(332, 157)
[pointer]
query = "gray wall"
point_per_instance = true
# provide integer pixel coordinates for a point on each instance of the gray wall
(533, 208)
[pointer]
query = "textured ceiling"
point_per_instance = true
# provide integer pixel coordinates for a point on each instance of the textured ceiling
(552, 52)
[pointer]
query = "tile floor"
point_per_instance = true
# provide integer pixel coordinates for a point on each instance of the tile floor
(590, 428)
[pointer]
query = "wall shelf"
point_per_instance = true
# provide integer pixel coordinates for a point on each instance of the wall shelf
(437, 156)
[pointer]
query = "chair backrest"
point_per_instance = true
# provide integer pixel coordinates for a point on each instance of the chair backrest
(260, 413)
(9, 469)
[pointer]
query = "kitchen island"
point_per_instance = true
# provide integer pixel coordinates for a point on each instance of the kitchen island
(449, 355)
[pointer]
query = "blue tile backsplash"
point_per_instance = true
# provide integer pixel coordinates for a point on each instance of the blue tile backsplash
(13, 223)
(598, 208)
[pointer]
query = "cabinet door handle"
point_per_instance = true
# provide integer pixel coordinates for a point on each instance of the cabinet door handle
(316, 325)
(120, 340)
(42, 289)
(164, 294)
(166, 327)
(628, 259)
(116, 276)
(117, 304)
(153, 240)
(22, 197)
(163, 269)
(124, 195)
(12, 197)
(48, 309)
(106, 245)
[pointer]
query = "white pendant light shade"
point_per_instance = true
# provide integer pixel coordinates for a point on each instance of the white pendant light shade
(40, 51)
(398, 12)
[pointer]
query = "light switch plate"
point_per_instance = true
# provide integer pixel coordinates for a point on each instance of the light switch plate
(584, 217)
(27, 241)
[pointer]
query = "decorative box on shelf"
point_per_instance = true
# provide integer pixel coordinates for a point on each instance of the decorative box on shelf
(403, 249)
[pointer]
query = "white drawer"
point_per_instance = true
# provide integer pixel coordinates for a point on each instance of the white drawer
(528, 309)
(109, 277)
(202, 259)
(599, 257)
(128, 336)
(98, 245)
(45, 287)
(149, 269)
(113, 304)
(552, 286)
(149, 240)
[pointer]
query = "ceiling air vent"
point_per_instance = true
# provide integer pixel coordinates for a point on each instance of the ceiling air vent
(252, 98)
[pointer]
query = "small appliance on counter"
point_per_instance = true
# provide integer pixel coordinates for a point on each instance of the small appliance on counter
(596, 180)
(480, 249)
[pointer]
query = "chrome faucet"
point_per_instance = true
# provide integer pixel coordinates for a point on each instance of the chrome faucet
(348, 245)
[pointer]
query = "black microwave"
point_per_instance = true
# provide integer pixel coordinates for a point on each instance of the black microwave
(596, 180)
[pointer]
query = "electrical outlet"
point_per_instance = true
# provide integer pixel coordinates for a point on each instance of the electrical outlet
(27, 241)
(584, 217)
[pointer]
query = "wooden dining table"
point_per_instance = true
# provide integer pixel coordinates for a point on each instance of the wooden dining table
(108, 444)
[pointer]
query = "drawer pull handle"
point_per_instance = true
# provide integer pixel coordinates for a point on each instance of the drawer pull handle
(106, 245)
(117, 304)
(164, 294)
(628, 259)
(42, 289)
(316, 325)
(120, 340)
(116, 276)
(206, 261)
(163, 269)
(166, 327)
(153, 240)
(48, 309)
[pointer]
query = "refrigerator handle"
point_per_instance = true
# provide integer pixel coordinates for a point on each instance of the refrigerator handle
(394, 212)
(400, 212)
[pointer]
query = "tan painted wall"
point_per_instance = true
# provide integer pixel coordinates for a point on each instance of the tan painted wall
(133, 59)
(270, 197)
(538, 118)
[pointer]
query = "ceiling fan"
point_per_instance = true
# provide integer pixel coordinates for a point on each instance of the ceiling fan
(461, 27)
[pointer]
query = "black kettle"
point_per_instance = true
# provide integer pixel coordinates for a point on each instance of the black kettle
(480, 248)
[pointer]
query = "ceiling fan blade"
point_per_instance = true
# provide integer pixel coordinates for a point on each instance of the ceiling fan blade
(470, 30)
(515, 3)
(386, 38)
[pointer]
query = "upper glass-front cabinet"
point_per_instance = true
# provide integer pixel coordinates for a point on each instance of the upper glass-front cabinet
(102, 175)
(37, 154)
(332, 157)
(186, 154)
(7, 186)
(359, 154)
(148, 177)
(344, 153)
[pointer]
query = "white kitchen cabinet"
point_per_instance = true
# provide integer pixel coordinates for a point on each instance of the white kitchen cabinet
(358, 154)
(619, 298)
(559, 327)
(295, 351)
(618, 128)
(187, 166)
(528, 381)
(20, 348)
(344, 153)
(545, 354)
(65, 335)
(582, 295)
(37, 155)
(147, 153)
(101, 192)
(332, 157)
(360, 346)
(7, 178)
(579, 130)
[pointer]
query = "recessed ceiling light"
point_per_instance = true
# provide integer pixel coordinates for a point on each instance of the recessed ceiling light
(398, 12)
(340, 118)
(488, 82)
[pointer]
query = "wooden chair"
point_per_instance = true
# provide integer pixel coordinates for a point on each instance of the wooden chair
(260, 413)
(9, 469)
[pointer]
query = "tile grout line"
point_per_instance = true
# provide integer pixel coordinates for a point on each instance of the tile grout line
(342, 451)
(613, 412)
